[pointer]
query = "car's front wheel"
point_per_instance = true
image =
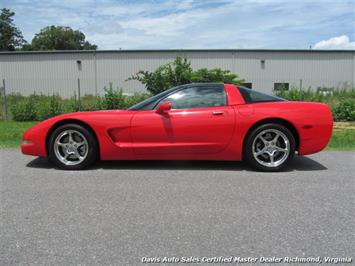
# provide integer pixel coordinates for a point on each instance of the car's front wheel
(72, 147)
(269, 147)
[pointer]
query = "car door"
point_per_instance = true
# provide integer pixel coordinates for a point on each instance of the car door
(200, 121)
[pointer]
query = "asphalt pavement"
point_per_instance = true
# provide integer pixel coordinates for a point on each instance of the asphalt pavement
(118, 213)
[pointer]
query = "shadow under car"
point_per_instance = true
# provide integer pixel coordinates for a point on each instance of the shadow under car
(299, 163)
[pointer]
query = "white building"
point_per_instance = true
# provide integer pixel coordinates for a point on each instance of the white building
(58, 71)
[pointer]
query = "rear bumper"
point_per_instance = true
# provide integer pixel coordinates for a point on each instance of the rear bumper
(316, 138)
(313, 145)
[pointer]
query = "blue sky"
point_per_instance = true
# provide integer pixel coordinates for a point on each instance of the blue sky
(195, 24)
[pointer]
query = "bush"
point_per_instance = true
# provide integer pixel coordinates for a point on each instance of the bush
(326, 95)
(341, 102)
(180, 72)
(41, 107)
(214, 75)
(69, 105)
(89, 103)
(345, 111)
(24, 110)
(136, 98)
(50, 107)
(113, 99)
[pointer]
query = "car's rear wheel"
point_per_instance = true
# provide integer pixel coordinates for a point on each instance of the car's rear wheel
(72, 147)
(269, 147)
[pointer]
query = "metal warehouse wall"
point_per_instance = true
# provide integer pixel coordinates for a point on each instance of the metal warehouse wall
(57, 72)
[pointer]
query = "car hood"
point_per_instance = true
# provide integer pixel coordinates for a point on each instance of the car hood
(98, 112)
(91, 113)
(86, 116)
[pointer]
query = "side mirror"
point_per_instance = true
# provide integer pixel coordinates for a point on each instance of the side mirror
(164, 108)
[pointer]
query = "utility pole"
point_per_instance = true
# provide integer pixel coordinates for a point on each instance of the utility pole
(5, 103)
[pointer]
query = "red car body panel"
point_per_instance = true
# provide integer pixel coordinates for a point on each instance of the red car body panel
(212, 133)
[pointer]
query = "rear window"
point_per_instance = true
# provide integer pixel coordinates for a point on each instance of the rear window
(252, 96)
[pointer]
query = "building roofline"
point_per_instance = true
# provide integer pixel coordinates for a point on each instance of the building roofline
(179, 50)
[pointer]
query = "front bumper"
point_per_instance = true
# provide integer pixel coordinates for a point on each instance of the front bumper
(34, 141)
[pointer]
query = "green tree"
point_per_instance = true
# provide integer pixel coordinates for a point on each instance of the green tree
(180, 72)
(166, 76)
(10, 36)
(60, 38)
(215, 75)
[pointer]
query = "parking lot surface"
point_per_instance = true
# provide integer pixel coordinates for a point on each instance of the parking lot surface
(118, 212)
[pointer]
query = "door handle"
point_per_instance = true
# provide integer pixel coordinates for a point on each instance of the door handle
(217, 113)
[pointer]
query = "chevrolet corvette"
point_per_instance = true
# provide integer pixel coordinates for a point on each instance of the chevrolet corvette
(203, 121)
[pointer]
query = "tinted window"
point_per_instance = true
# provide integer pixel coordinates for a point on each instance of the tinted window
(252, 96)
(248, 85)
(281, 86)
(198, 97)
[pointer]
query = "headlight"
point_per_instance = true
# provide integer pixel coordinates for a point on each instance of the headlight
(25, 141)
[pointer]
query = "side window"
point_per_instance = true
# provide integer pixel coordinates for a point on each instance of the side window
(248, 85)
(198, 97)
(251, 96)
(281, 86)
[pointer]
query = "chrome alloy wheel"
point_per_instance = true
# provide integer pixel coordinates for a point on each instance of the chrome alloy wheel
(71, 147)
(271, 147)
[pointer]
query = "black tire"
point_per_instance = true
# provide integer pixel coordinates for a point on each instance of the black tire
(286, 158)
(91, 147)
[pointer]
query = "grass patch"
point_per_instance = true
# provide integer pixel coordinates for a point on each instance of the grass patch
(343, 137)
(11, 133)
(344, 125)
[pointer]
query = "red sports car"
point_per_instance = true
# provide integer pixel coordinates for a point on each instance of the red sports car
(205, 121)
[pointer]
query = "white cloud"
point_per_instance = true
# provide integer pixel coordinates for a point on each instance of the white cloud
(196, 24)
(340, 42)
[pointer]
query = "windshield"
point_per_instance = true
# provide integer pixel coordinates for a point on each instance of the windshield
(149, 103)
